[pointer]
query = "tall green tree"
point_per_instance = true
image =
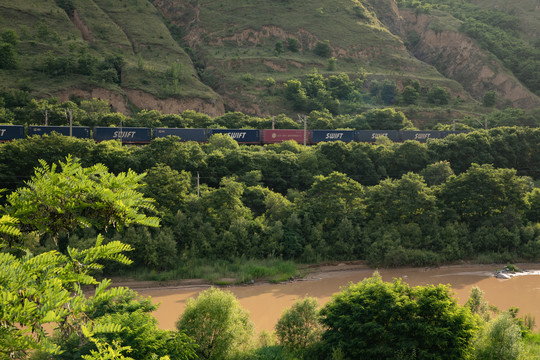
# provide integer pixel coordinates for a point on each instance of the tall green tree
(61, 200)
(378, 320)
(218, 324)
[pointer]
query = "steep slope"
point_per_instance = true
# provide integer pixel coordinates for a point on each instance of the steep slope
(436, 40)
(238, 44)
(119, 51)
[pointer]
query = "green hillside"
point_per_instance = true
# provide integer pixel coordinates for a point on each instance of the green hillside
(84, 44)
(236, 45)
(237, 55)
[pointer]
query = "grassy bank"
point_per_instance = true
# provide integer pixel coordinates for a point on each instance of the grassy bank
(223, 272)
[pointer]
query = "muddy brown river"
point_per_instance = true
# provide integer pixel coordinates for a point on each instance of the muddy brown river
(266, 302)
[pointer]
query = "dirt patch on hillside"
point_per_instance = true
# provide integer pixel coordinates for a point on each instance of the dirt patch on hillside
(117, 100)
(85, 32)
(461, 59)
(144, 100)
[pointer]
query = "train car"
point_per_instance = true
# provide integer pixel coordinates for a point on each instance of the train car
(274, 136)
(198, 135)
(128, 135)
(372, 135)
(318, 136)
(242, 136)
(421, 136)
(11, 132)
(81, 132)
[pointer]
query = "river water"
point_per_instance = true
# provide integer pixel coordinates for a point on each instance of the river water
(266, 302)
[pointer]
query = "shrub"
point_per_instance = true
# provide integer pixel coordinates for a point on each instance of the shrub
(293, 45)
(378, 320)
(323, 49)
(501, 339)
(218, 324)
(298, 328)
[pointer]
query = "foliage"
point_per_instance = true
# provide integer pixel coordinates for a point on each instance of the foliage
(217, 323)
(8, 56)
(46, 289)
(53, 201)
(500, 339)
(298, 327)
(373, 319)
(293, 45)
(438, 95)
(489, 99)
(323, 49)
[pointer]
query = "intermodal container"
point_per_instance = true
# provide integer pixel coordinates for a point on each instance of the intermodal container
(82, 132)
(128, 135)
(372, 135)
(198, 135)
(421, 136)
(242, 136)
(332, 135)
(11, 132)
(281, 135)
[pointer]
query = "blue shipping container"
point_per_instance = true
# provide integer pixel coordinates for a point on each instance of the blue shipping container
(372, 135)
(421, 136)
(198, 135)
(128, 135)
(11, 132)
(242, 136)
(332, 135)
(82, 132)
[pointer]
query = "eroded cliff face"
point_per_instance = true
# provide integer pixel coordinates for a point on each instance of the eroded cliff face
(459, 58)
(144, 100)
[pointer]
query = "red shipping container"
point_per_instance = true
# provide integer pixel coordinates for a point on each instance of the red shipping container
(280, 135)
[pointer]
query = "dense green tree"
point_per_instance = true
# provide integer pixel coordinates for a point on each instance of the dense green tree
(9, 36)
(500, 339)
(385, 119)
(437, 173)
(293, 45)
(8, 56)
(60, 201)
(438, 96)
(374, 319)
(169, 188)
(333, 197)
(298, 327)
(410, 95)
(483, 192)
(489, 99)
(323, 49)
(407, 200)
(218, 324)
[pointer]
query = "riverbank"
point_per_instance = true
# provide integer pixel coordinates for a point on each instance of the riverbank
(305, 273)
(266, 301)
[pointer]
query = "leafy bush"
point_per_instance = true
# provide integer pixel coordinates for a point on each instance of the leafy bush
(323, 49)
(501, 339)
(293, 45)
(218, 324)
(378, 320)
(299, 327)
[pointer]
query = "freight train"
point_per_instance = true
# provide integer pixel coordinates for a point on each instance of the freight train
(140, 135)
